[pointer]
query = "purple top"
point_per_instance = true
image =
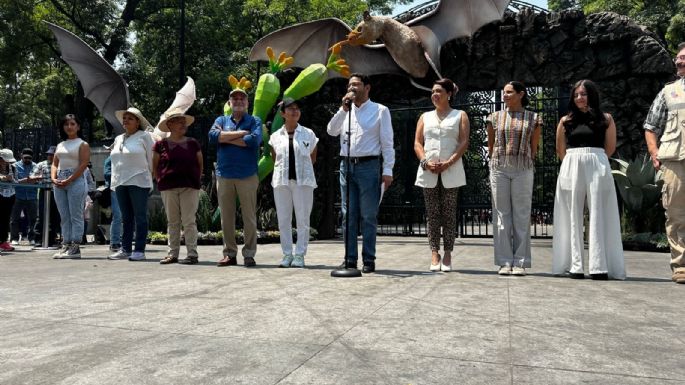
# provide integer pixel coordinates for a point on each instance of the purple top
(178, 166)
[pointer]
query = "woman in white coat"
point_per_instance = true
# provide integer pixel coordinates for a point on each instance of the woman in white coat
(293, 148)
(585, 138)
(442, 137)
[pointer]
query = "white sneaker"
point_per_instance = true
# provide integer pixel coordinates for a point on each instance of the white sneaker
(137, 256)
(298, 261)
(505, 270)
(14, 243)
(63, 250)
(520, 271)
(286, 261)
(121, 254)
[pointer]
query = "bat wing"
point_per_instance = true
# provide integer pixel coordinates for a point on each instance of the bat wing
(455, 18)
(308, 43)
(101, 83)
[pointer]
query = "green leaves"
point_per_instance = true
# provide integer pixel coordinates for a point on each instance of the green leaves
(638, 183)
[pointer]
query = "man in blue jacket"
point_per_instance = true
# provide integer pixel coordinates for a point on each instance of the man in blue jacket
(27, 198)
(237, 137)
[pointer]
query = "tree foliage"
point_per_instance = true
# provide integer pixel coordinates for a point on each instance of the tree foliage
(663, 17)
(141, 39)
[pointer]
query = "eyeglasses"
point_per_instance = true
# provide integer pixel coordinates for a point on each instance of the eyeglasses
(681, 57)
(121, 146)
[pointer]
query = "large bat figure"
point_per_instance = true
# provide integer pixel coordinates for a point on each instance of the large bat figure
(101, 84)
(410, 49)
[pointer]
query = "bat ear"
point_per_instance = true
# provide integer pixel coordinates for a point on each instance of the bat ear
(367, 15)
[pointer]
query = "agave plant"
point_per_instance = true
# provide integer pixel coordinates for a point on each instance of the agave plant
(638, 183)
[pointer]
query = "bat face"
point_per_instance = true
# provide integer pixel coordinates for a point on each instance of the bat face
(366, 32)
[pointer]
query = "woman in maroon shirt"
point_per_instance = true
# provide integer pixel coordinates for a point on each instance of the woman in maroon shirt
(177, 166)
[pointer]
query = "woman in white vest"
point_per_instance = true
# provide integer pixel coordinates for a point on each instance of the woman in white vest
(513, 137)
(293, 148)
(70, 162)
(585, 138)
(442, 137)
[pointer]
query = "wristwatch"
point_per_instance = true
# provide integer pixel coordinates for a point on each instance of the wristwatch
(422, 163)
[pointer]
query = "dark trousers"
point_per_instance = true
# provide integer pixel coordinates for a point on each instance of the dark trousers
(54, 221)
(30, 209)
(6, 205)
(133, 205)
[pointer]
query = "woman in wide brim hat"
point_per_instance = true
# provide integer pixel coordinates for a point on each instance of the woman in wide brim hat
(177, 161)
(131, 158)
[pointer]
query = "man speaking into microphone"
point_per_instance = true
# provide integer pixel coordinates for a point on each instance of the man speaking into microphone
(370, 143)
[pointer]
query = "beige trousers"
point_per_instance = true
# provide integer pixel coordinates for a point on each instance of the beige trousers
(181, 206)
(673, 199)
(245, 190)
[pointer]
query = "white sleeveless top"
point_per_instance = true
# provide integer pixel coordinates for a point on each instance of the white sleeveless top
(440, 141)
(68, 153)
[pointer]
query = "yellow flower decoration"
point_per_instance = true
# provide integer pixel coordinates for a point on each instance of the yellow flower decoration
(276, 65)
(337, 63)
(242, 84)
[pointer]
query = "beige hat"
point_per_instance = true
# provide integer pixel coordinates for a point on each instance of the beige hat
(7, 155)
(173, 113)
(144, 124)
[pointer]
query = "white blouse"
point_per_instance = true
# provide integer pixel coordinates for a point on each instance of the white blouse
(304, 142)
(132, 160)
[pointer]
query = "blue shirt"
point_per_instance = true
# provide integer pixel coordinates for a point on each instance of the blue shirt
(233, 161)
(24, 171)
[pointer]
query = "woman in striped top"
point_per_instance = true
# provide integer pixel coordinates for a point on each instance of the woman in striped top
(513, 137)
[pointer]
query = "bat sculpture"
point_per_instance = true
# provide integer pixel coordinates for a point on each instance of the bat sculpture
(101, 84)
(410, 49)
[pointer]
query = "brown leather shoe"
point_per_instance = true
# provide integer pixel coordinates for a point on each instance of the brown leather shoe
(679, 276)
(249, 262)
(227, 261)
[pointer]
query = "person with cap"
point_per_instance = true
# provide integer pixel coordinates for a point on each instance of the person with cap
(237, 138)
(293, 148)
(665, 137)
(177, 164)
(41, 174)
(70, 162)
(7, 175)
(132, 181)
(371, 138)
(26, 199)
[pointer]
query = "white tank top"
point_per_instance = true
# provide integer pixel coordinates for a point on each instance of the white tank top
(68, 153)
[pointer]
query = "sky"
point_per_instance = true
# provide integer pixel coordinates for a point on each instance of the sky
(402, 8)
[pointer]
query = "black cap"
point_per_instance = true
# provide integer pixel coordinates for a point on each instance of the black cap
(27, 151)
(287, 102)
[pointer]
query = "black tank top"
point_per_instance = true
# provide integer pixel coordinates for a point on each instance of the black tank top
(585, 130)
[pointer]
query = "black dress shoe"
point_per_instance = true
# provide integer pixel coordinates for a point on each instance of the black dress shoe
(600, 277)
(347, 265)
(188, 261)
(249, 262)
(576, 275)
(369, 268)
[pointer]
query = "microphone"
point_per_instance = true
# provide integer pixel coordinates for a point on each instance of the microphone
(349, 97)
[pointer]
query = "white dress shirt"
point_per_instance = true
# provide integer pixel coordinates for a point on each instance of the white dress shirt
(371, 132)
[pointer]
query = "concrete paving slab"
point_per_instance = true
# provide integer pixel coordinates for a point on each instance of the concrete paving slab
(94, 321)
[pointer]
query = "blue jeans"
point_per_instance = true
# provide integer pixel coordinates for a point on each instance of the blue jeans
(71, 201)
(133, 205)
(365, 193)
(115, 226)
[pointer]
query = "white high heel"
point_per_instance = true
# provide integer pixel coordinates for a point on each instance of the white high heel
(446, 268)
(436, 267)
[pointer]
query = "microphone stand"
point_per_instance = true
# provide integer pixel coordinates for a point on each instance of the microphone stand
(346, 272)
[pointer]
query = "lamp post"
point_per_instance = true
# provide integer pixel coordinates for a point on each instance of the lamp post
(181, 46)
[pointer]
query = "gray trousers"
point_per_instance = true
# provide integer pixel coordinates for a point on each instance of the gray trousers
(512, 196)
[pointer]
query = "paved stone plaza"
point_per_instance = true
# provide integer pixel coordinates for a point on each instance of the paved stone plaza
(94, 321)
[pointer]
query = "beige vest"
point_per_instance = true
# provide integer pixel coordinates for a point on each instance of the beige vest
(672, 145)
(440, 141)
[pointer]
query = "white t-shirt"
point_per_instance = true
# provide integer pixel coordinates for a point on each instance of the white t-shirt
(132, 160)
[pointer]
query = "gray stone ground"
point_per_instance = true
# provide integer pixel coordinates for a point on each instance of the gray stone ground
(94, 321)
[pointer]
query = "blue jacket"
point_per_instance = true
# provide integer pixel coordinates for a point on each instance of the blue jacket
(24, 171)
(233, 161)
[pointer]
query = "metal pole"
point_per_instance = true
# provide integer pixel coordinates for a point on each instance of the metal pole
(47, 197)
(181, 48)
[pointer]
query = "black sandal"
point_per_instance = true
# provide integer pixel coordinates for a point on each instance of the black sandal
(188, 261)
(168, 260)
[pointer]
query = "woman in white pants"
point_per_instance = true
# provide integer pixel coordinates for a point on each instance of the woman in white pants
(513, 137)
(585, 137)
(293, 148)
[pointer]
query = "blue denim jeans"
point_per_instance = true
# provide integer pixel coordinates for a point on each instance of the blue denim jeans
(71, 201)
(365, 193)
(133, 205)
(115, 226)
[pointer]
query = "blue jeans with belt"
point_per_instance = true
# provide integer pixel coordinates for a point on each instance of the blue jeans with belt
(365, 192)
(133, 205)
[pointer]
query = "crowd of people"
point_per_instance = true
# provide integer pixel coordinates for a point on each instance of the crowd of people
(585, 138)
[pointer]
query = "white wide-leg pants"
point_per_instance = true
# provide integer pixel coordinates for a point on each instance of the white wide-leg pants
(586, 172)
